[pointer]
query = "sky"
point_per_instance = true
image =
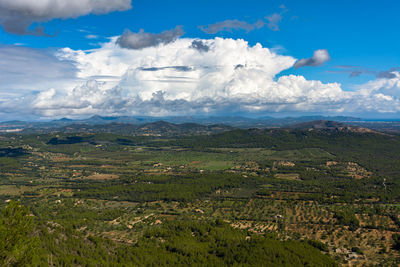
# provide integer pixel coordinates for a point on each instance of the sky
(78, 58)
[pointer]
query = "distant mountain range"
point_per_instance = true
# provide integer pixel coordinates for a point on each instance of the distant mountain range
(234, 121)
(184, 125)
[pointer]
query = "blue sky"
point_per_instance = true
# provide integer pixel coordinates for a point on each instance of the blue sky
(360, 37)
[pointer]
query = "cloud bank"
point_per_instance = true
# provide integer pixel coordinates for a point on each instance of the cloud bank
(18, 15)
(176, 78)
(32, 68)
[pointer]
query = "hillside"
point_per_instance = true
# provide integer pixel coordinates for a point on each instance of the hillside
(330, 126)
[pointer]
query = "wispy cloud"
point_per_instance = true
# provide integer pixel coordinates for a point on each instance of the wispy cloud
(177, 68)
(229, 25)
(92, 36)
(356, 71)
(388, 74)
(273, 21)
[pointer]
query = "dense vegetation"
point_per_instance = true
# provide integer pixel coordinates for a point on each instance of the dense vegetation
(282, 197)
(177, 243)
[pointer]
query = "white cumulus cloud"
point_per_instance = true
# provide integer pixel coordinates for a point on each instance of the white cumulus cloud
(174, 78)
(179, 78)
